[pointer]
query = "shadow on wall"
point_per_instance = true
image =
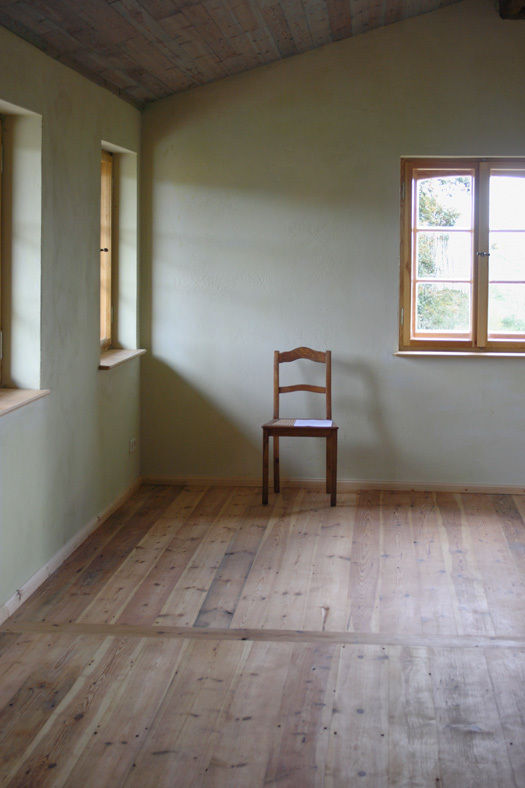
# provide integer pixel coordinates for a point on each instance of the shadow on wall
(246, 268)
(280, 141)
(197, 435)
(368, 452)
(183, 431)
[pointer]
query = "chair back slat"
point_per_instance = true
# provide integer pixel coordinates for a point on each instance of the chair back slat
(302, 387)
(319, 356)
(302, 352)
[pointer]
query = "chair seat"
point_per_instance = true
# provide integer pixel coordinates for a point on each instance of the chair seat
(310, 426)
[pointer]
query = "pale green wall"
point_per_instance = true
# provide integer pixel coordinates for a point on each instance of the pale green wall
(271, 219)
(64, 459)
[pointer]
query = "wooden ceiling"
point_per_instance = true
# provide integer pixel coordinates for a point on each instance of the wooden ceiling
(144, 50)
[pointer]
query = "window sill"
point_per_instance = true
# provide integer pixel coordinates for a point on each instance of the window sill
(116, 357)
(12, 399)
(459, 353)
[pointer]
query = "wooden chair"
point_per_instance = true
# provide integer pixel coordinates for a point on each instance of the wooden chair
(318, 428)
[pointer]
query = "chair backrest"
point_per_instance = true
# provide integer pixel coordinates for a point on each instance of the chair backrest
(322, 357)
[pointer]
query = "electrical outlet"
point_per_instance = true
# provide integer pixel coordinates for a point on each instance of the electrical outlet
(132, 445)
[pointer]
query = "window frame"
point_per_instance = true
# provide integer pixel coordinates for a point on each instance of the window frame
(479, 342)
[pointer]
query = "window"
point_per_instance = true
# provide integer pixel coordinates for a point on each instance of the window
(462, 255)
(106, 201)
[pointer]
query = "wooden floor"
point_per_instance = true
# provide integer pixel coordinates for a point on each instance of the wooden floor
(198, 638)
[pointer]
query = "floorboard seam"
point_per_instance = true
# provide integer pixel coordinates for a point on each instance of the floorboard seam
(265, 635)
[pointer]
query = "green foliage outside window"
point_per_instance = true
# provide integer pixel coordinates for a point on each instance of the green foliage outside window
(444, 308)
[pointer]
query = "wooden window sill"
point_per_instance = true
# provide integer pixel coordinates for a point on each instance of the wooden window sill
(115, 357)
(460, 353)
(12, 399)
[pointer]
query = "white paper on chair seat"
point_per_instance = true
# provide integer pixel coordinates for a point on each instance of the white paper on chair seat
(313, 423)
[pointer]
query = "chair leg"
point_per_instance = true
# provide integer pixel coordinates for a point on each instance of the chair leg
(265, 469)
(328, 465)
(276, 477)
(333, 467)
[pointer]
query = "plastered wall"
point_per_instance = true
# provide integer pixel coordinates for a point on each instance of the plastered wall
(64, 458)
(271, 219)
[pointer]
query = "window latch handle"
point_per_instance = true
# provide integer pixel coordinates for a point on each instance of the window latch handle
(483, 254)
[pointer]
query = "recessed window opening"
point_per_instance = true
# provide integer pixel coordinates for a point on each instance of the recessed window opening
(118, 248)
(106, 245)
(20, 247)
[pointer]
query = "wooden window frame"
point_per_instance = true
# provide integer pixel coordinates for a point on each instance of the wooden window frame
(478, 341)
(106, 244)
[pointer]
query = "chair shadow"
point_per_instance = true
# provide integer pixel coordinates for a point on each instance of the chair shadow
(368, 452)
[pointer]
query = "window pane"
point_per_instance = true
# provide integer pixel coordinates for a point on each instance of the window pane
(443, 306)
(445, 201)
(444, 255)
(506, 309)
(507, 202)
(507, 256)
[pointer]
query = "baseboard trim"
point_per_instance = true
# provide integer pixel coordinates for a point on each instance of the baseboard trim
(31, 585)
(343, 485)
